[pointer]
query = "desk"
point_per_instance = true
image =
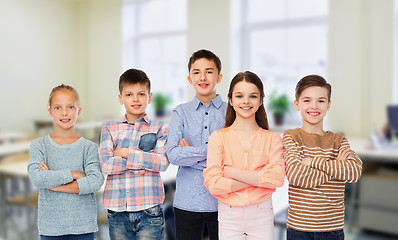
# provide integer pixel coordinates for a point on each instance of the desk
(11, 136)
(13, 148)
(373, 201)
(18, 170)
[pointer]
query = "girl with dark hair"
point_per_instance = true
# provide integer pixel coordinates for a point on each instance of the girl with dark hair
(245, 163)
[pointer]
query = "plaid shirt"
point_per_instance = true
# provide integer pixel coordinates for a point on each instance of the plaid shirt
(132, 184)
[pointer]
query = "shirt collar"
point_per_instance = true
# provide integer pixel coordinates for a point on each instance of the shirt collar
(143, 119)
(217, 102)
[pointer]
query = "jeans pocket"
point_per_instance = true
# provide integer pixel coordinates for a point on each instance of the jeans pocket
(111, 213)
(155, 211)
(147, 142)
(155, 214)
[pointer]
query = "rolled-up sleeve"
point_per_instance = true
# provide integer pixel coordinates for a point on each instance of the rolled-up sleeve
(213, 174)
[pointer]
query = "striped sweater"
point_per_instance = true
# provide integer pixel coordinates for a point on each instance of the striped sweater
(316, 192)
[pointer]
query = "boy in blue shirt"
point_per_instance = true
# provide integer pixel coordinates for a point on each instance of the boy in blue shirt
(190, 127)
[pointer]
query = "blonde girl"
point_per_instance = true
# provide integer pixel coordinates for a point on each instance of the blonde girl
(65, 167)
(245, 164)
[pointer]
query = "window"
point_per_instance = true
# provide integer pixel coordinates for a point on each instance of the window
(154, 40)
(281, 41)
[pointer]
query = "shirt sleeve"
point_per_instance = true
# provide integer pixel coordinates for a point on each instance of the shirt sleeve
(273, 174)
(156, 160)
(110, 164)
(94, 178)
(348, 170)
(297, 173)
(213, 174)
(42, 178)
(192, 156)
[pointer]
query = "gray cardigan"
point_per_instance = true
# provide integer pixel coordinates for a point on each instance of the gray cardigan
(65, 213)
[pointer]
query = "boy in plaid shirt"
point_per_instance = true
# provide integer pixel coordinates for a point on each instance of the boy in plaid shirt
(132, 153)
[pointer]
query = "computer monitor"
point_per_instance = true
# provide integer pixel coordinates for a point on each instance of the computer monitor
(393, 118)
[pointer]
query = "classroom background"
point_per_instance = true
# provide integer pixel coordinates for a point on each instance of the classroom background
(88, 44)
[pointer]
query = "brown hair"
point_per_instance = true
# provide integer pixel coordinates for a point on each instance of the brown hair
(261, 115)
(63, 87)
(207, 55)
(133, 76)
(312, 81)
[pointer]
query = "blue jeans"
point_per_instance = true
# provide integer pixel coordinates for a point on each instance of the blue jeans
(145, 224)
(87, 236)
(293, 234)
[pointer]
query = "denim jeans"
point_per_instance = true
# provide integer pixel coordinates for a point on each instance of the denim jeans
(293, 234)
(147, 142)
(191, 225)
(145, 224)
(87, 236)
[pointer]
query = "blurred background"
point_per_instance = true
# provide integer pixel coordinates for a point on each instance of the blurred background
(89, 43)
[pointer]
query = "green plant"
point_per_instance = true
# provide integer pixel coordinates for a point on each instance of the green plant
(278, 104)
(160, 101)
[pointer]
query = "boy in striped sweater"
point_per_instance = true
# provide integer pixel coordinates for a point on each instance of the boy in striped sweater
(318, 164)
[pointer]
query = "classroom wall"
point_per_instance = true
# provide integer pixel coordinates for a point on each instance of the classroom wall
(48, 42)
(36, 53)
(208, 28)
(104, 56)
(360, 64)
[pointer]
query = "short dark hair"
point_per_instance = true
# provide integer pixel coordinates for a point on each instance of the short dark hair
(133, 76)
(261, 115)
(203, 53)
(312, 81)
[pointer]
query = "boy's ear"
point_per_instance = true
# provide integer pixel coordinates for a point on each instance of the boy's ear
(296, 105)
(80, 109)
(49, 110)
(189, 80)
(219, 78)
(330, 102)
(120, 99)
(150, 98)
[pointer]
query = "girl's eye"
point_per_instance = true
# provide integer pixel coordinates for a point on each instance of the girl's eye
(306, 100)
(238, 96)
(142, 94)
(71, 107)
(210, 72)
(57, 108)
(254, 96)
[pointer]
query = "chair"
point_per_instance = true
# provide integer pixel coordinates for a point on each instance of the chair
(16, 197)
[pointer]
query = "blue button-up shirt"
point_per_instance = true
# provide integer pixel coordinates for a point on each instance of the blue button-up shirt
(194, 122)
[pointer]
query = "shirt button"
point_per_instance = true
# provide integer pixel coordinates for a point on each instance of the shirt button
(206, 142)
(198, 162)
(205, 127)
(207, 113)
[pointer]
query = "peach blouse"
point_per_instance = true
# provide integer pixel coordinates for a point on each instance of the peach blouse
(263, 154)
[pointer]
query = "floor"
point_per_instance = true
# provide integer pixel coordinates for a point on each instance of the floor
(15, 223)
